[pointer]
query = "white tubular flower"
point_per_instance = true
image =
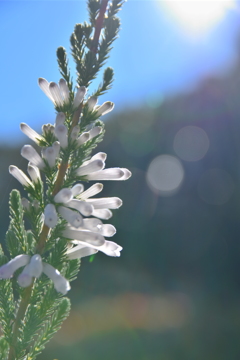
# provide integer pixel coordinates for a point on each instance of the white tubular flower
(93, 190)
(80, 251)
(79, 96)
(61, 133)
(91, 103)
(32, 134)
(107, 174)
(60, 283)
(81, 206)
(34, 173)
(94, 132)
(90, 167)
(105, 108)
(77, 189)
(99, 156)
(48, 128)
(50, 216)
(82, 138)
(63, 196)
(71, 216)
(127, 174)
(92, 224)
(20, 176)
(107, 230)
(105, 203)
(60, 119)
(110, 248)
(75, 132)
(35, 266)
(29, 153)
(49, 154)
(56, 145)
(103, 214)
(7, 270)
(59, 95)
(96, 225)
(89, 237)
(25, 279)
(56, 94)
(64, 90)
(25, 204)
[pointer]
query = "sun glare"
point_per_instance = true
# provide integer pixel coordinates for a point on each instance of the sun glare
(197, 17)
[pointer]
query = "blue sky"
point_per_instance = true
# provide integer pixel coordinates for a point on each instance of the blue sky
(152, 58)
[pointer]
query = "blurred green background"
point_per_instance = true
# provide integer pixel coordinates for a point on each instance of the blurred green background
(174, 294)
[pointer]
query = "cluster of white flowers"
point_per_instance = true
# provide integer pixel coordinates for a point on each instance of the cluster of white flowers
(82, 212)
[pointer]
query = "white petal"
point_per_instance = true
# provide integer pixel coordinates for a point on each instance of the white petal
(34, 172)
(109, 248)
(79, 96)
(83, 207)
(25, 279)
(63, 196)
(85, 236)
(60, 119)
(100, 155)
(29, 153)
(93, 190)
(92, 102)
(56, 146)
(75, 132)
(103, 203)
(95, 132)
(19, 175)
(35, 266)
(50, 155)
(107, 230)
(82, 138)
(7, 270)
(104, 214)
(46, 128)
(32, 134)
(105, 108)
(92, 224)
(60, 283)
(64, 90)
(92, 166)
(77, 189)
(44, 85)
(80, 251)
(61, 133)
(55, 92)
(73, 217)
(50, 216)
(127, 174)
(106, 174)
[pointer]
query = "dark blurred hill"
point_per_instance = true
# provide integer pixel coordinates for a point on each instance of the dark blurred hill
(176, 286)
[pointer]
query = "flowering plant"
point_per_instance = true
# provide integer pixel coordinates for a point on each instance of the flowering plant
(66, 220)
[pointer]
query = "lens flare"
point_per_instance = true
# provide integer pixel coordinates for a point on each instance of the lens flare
(165, 175)
(197, 17)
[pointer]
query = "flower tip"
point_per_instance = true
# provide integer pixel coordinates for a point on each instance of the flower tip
(127, 174)
(41, 80)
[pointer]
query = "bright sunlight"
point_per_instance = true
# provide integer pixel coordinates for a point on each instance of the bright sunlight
(197, 17)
